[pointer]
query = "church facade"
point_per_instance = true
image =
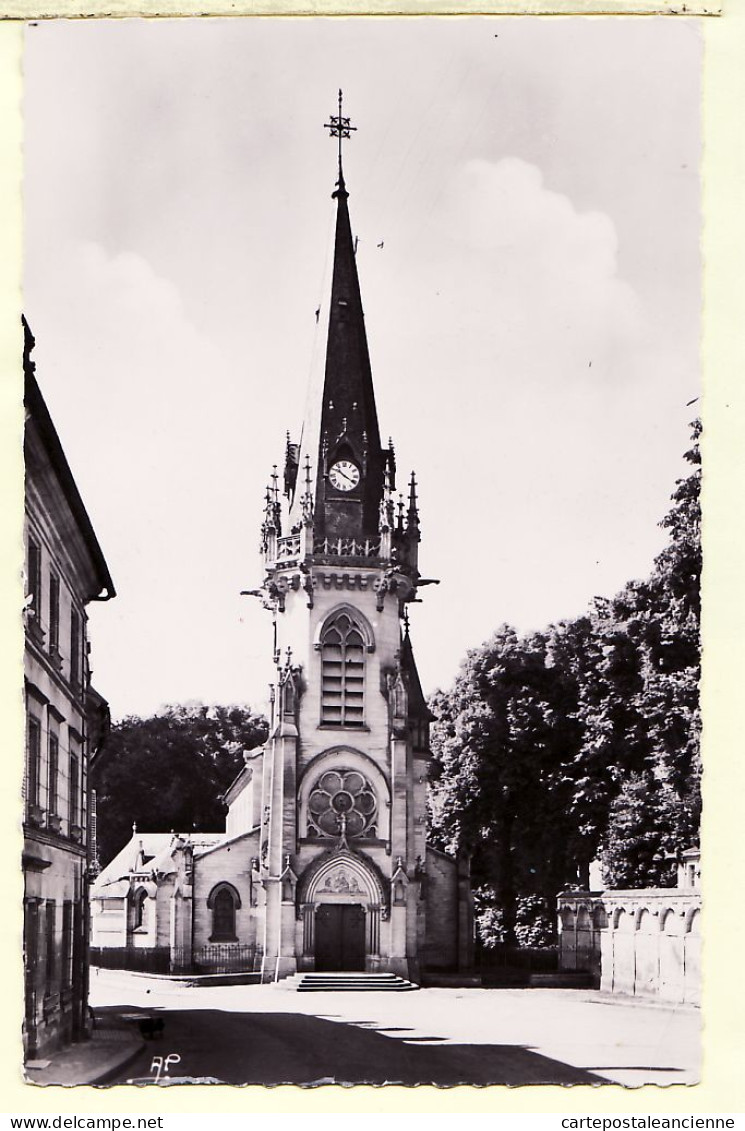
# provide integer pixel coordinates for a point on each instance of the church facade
(324, 864)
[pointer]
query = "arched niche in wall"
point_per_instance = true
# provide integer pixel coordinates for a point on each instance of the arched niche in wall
(671, 923)
(223, 901)
(599, 918)
(645, 922)
(568, 919)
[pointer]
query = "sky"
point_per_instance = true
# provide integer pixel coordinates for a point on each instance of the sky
(533, 314)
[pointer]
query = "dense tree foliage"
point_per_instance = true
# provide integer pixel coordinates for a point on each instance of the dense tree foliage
(556, 747)
(169, 771)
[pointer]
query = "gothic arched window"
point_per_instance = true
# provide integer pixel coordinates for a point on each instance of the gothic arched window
(342, 672)
(223, 902)
(138, 909)
(342, 800)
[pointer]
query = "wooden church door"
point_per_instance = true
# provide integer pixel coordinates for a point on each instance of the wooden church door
(340, 937)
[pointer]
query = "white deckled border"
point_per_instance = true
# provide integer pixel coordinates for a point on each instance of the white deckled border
(53, 9)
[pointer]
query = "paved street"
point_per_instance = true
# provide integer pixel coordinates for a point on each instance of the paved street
(270, 1035)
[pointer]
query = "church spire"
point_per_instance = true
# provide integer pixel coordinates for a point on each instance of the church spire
(340, 479)
(346, 454)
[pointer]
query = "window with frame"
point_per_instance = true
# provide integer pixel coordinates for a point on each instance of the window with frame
(342, 800)
(138, 917)
(74, 648)
(34, 576)
(34, 761)
(224, 905)
(53, 611)
(74, 797)
(50, 923)
(66, 944)
(31, 952)
(342, 672)
(53, 773)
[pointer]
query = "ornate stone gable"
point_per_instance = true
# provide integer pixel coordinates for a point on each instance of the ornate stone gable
(341, 871)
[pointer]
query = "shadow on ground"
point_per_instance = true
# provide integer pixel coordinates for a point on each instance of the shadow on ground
(294, 1048)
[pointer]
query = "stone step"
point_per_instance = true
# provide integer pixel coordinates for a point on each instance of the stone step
(348, 982)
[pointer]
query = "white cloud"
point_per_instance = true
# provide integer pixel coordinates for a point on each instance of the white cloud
(540, 450)
(541, 274)
(154, 425)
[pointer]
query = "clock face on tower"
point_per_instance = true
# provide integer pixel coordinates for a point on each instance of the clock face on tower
(344, 475)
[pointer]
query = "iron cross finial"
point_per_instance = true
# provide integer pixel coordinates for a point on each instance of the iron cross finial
(339, 126)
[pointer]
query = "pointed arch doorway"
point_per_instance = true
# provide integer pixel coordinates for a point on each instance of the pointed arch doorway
(340, 936)
(340, 904)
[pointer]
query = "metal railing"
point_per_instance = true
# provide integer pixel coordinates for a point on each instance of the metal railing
(223, 958)
(146, 960)
(289, 546)
(216, 958)
(525, 959)
(347, 547)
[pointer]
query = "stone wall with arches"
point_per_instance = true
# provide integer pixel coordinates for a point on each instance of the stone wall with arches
(644, 942)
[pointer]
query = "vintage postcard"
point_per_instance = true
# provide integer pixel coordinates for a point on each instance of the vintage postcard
(362, 551)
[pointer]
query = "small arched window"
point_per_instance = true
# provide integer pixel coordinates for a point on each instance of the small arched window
(342, 672)
(138, 910)
(223, 902)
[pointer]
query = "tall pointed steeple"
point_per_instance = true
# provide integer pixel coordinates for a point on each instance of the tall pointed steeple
(340, 480)
(350, 459)
(343, 442)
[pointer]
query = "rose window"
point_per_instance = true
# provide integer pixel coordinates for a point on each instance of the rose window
(342, 801)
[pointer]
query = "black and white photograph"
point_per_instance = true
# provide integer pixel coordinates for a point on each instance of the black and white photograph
(362, 365)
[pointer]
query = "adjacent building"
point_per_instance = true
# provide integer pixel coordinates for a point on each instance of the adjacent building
(66, 722)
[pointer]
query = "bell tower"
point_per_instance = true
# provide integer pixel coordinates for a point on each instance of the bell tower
(343, 834)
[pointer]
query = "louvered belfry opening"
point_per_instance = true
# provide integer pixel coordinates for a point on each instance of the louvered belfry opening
(342, 673)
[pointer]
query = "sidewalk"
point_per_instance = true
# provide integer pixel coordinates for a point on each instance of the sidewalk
(114, 1042)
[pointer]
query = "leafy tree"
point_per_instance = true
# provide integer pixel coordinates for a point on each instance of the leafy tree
(534, 920)
(662, 617)
(489, 918)
(640, 846)
(500, 733)
(555, 746)
(170, 770)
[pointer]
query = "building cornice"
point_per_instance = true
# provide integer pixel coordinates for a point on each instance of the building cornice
(39, 836)
(40, 418)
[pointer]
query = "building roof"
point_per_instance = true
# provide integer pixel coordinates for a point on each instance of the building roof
(226, 841)
(148, 852)
(239, 783)
(418, 708)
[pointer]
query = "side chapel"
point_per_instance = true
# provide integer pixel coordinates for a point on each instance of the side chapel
(324, 864)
